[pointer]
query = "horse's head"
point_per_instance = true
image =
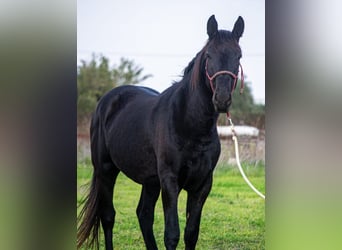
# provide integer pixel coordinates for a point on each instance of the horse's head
(222, 61)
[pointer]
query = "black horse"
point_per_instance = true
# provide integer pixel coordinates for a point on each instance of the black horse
(165, 142)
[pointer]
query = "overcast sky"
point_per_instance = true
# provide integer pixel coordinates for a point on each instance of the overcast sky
(163, 36)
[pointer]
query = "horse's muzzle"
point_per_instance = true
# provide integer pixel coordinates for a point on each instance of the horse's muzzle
(222, 102)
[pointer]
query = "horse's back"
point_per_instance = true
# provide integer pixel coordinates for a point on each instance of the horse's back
(117, 98)
(124, 117)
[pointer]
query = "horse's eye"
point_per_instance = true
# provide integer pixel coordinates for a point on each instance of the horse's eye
(207, 55)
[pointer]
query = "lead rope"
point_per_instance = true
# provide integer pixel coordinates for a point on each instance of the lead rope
(238, 158)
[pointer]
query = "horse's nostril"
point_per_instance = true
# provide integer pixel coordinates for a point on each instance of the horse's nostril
(223, 99)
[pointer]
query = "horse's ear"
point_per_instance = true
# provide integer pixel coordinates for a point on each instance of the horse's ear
(239, 26)
(211, 27)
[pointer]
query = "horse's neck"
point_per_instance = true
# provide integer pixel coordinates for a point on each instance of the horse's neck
(197, 113)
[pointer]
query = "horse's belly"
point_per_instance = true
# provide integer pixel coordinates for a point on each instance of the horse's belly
(135, 158)
(128, 139)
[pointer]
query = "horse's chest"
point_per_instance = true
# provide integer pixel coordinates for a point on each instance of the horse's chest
(198, 154)
(197, 164)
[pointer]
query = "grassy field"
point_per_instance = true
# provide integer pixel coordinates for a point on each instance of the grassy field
(233, 216)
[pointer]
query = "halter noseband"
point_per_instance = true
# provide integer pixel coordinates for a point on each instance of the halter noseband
(235, 77)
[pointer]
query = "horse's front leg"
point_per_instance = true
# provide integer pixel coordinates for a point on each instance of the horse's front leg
(195, 202)
(170, 191)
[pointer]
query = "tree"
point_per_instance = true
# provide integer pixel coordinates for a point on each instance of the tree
(96, 77)
(128, 73)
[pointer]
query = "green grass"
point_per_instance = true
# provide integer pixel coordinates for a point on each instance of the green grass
(233, 216)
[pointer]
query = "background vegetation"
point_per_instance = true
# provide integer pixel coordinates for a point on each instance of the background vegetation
(96, 77)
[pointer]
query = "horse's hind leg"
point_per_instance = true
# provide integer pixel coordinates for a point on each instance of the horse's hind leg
(145, 211)
(107, 212)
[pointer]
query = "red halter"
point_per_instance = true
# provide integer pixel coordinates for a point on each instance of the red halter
(211, 78)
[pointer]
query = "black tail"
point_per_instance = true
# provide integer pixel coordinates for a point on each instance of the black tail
(89, 219)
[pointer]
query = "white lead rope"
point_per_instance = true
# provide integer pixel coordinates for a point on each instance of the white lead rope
(238, 160)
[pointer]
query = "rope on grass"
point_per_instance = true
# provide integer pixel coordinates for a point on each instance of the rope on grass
(238, 160)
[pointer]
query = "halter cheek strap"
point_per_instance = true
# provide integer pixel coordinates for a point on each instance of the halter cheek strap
(235, 77)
